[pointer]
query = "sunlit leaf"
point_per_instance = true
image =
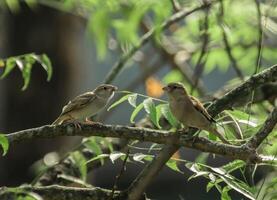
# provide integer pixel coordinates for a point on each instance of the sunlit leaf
(4, 142)
(139, 157)
(99, 157)
(224, 194)
(232, 166)
(46, 64)
(169, 116)
(2, 63)
(150, 108)
(10, 64)
(121, 100)
(239, 187)
(26, 74)
(93, 145)
(135, 112)
(115, 155)
(132, 99)
(172, 164)
(80, 162)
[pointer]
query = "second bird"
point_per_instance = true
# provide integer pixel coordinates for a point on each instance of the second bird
(86, 105)
(189, 111)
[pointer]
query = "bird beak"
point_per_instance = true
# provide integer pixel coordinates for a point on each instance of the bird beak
(166, 88)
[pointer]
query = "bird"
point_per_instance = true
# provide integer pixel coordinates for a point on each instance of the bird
(189, 111)
(86, 105)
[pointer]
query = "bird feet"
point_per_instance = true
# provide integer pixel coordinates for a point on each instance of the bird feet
(88, 121)
(76, 123)
(190, 137)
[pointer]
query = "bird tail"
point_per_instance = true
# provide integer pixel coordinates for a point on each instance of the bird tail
(214, 131)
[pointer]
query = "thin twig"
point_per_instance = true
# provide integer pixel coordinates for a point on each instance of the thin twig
(199, 67)
(264, 131)
(117, 178)
(260, 40)
(176, 6)
(146, 37)
(226, 42)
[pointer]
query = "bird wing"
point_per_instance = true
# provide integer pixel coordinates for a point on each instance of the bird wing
(198, 106)
(79, 102)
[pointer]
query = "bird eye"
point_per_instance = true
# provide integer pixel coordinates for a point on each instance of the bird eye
(105, 88)
(174, 87)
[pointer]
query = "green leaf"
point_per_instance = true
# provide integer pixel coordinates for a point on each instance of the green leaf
(242, 188)
(26, 74)
(224, 194)
(4, 142)
(93, 145)
(80, 162)
(150, 108)
(169, 116)
(232, 166)
(139, 157)
(108, 144)
(132, 99)
(135, 112)
(202, 158)
(115, 155)
(121, 100)
(172, 164)
(101, 156)
(10, 64)
(47, 65)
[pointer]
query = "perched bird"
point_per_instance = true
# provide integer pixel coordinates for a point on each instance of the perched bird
(86, 105)
(189, 111)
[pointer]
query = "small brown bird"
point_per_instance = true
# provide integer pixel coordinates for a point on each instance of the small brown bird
(86, 105)
(189, 111)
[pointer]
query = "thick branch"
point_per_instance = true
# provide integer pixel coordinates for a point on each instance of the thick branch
(147, 36)
(264, 131)
(56, 192)
(141, 134)
(140, 184)
(257, 80)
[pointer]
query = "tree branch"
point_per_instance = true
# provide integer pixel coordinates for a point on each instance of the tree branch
(147, 36)
(146, 176)
(56, 192)
(154, 167)
(264, 131)
(255, 81)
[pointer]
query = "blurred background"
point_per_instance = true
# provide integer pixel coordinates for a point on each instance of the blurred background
(83, 41)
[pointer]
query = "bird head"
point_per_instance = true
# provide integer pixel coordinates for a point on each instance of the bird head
(175, 89)
(105, 90)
